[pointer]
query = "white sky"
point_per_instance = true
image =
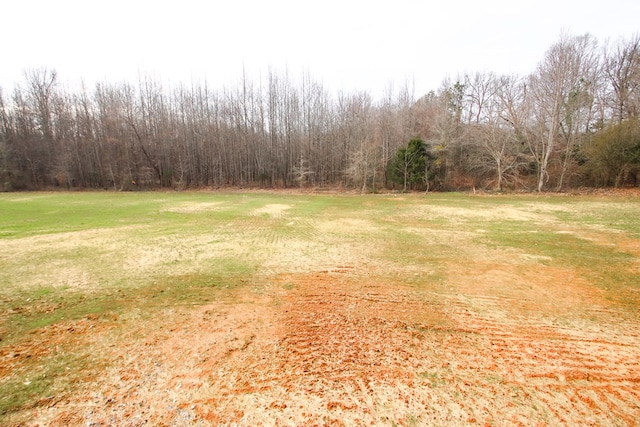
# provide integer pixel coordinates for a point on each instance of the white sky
(346, 44)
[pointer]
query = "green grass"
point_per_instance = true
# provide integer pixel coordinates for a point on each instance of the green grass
(143, 222)
(66, 256)
(405, 232)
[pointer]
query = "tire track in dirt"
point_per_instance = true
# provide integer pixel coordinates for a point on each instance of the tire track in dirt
(570, 375)
(331, 359)
(344, 346)
(374, 353)
(351, 349)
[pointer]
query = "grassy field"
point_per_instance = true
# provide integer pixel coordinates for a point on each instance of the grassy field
(204, 308)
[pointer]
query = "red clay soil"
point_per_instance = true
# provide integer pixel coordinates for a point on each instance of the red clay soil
(334, 348)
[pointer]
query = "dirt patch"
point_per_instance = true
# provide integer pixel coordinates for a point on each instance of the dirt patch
(193, 207)
(56, 260)
(463, 214)
(332, 348)
(347, 226)
(272, 210)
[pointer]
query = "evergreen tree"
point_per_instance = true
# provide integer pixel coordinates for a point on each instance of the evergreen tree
(412, 165)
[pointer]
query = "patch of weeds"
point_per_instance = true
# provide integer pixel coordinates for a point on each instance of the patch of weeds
(43, 307)
(198, 288)
(42, 292)
(185, 289)
(419, 280)
(494, 379)
(433, 378)
(410, 248)
(288, 286)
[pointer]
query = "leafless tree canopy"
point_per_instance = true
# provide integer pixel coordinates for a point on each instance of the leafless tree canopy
(489, 131)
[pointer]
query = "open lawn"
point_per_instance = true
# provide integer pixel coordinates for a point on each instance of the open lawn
(279, 309)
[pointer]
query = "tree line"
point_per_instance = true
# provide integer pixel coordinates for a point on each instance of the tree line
(572, 122)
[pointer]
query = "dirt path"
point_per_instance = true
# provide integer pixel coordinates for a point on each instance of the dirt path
(341, 347)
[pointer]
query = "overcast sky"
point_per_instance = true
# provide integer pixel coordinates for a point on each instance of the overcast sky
(346, 44)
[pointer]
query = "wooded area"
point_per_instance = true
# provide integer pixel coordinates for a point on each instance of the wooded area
(572, 122)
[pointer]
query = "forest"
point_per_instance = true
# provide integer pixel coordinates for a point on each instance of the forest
(572, 123)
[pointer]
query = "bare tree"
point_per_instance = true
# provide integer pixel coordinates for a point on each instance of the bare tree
(497, 153)
(278, 131)
(491, 141)
(302, 172)
(622, 68)
(579, 104)
(480, 90)
(446, 130)
(557, 93)
(6, 136)
(363, 165)
(41, 85)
